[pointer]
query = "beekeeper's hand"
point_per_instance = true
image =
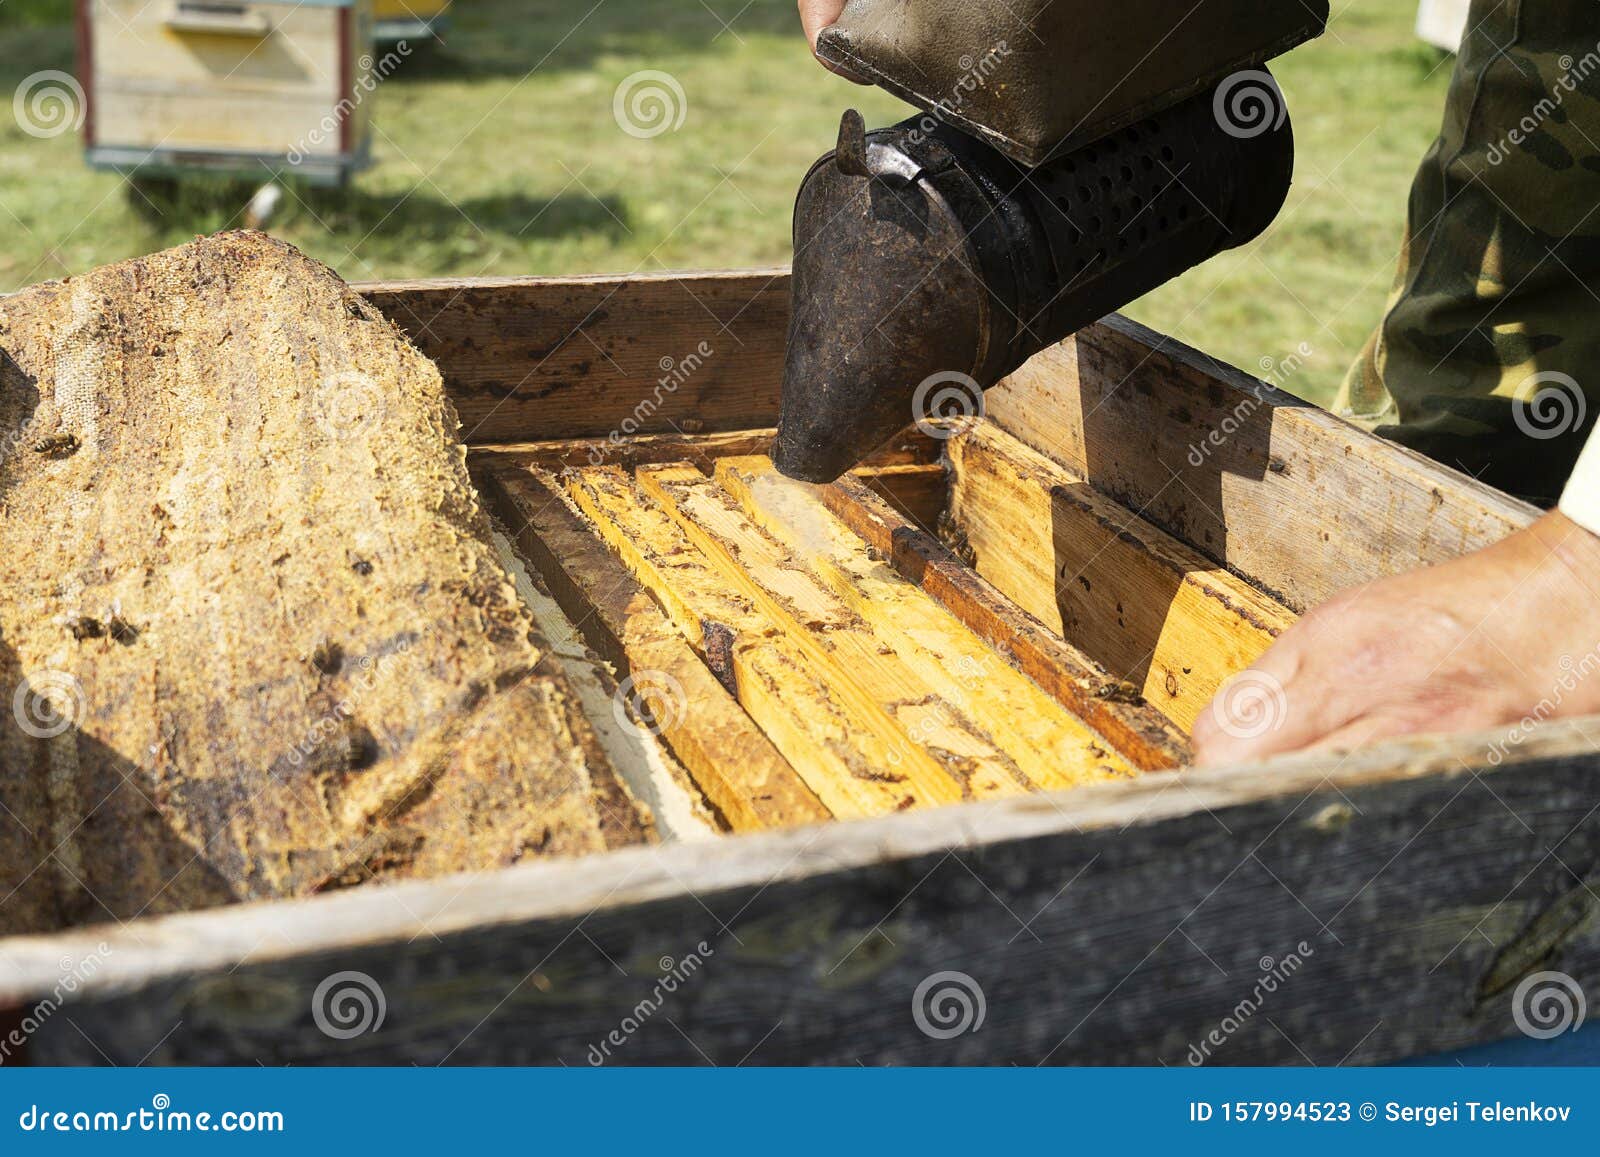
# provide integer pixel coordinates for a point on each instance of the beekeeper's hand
(815, 15)
(1492, 639)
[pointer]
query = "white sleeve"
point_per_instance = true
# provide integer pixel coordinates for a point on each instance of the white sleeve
(1580, 501)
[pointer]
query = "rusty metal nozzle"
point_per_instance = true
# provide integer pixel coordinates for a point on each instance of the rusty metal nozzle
(928, 265)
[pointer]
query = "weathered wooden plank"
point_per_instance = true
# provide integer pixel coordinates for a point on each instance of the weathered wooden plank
(1119, 923)
(1154, 611)
(1084, 687)
(530, 358)
(1288, 495)
(848, 749)
(907, 627)
(911, 449)
(732, 761)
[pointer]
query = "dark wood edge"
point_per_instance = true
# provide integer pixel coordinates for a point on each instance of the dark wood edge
(145, 951)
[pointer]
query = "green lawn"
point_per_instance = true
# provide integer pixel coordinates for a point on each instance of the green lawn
(499, 153)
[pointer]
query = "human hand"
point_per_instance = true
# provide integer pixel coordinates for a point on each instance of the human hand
(815, 15)
(1491, 638)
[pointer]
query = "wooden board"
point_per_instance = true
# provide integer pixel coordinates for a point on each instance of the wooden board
(266, 50)
(1292, 497)
(851, 752)
(632, 742)
(863, 667)
(732, 761)
(702, 450)
(587, 357)
(563, 546)
(1114, 708)
(1155, 612)
(1119, 923)
(918, 492)
(1049, 747)
(217, 122)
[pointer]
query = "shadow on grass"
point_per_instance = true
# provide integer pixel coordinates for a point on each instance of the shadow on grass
(206, 204)
(497, 38)
(432, 218)
(25, 51)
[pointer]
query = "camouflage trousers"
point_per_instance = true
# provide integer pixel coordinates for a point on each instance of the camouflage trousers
(1488, 357)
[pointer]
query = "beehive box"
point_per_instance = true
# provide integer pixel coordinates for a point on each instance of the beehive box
(233, 86)
(396, 20)
(1443, 23)
(912, 730)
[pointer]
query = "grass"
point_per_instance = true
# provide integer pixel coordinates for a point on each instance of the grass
(499, 153)
(1367, 100)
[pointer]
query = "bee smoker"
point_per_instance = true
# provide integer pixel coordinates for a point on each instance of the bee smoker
(953, 246)
(922, 253)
